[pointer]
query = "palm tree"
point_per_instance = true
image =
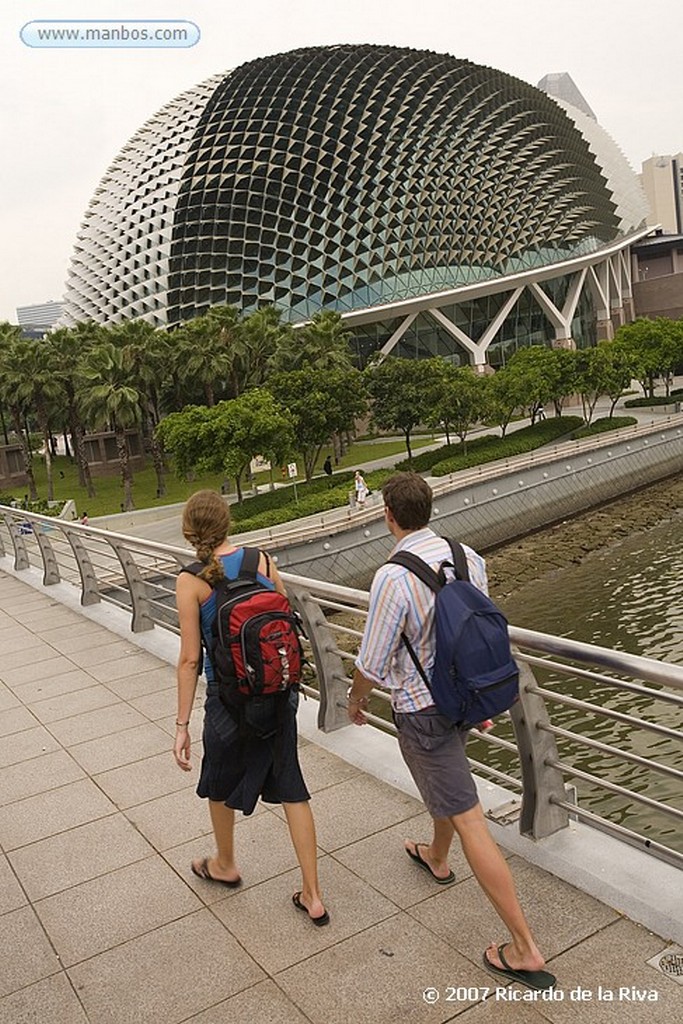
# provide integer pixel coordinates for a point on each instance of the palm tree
(262, 334)
(109, 399)
(38, 388)
(146, 353)
(322, 344)
(224, 322)
(205, 350)
(70, 346)
(11, 370)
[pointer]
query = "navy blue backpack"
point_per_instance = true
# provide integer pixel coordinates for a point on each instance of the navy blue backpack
(475, 676)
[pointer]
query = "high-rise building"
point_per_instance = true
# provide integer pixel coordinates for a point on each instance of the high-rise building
(40, 317)
(662, 180)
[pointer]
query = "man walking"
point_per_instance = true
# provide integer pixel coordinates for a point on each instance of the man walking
(432, 746)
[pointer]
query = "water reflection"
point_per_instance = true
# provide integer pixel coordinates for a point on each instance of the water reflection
(627, 598)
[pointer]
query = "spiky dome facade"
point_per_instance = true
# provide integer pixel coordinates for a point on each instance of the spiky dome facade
(341, 177)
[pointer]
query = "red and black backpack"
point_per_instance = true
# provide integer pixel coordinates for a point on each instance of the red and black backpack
(254, 644)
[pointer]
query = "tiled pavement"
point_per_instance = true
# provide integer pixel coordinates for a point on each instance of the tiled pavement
(101, 920)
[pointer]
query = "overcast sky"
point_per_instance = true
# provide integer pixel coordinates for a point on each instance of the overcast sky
(66, 113)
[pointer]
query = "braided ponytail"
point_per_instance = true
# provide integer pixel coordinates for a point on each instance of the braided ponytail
(206, 524)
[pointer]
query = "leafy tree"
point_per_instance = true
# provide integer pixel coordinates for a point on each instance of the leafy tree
(589, 379)
(108, 398)
(534, 366)
(245, 427)
(226, 437)
(562, 370)
(506, 393)
(458, 400)
(671, 348)
(321, 402)
(615, 372)
(11, 375)
(650, 347)
(400, 391)
(184, 435)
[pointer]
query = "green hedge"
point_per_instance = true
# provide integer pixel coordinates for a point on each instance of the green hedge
(423, 463)
(643, 403)
(545, 431)
(283, 496)
(604, 424)
(517, 443)
(40, 507)
(311, 501)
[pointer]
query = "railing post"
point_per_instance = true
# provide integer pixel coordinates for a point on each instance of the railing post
(50, 566)
(90, 593)
(21, 559)
(540, 783)
(332, 679)
(142, 619)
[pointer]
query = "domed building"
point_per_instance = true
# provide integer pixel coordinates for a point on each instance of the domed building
(440, 206)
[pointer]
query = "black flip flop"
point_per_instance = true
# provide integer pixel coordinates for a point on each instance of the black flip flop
(204, 873)
(324, 918)
(450, 877)
(539, 981)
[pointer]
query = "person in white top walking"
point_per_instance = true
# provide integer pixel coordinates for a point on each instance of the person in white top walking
(361, 489)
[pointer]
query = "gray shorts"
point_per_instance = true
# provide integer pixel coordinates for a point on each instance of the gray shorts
(433, 747)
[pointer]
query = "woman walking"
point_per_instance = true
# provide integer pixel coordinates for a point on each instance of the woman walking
(237, 768)
(361, 488)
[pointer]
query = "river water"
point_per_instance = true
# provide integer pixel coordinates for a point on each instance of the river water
(628, 597)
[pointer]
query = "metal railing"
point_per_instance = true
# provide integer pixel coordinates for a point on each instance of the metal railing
(596, 735)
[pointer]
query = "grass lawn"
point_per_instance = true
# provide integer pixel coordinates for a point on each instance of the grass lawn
(110, 491)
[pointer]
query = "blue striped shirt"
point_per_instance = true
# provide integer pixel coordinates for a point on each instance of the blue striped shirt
(400, 602)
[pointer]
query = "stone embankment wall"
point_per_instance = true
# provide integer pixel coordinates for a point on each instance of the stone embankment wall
(487, 511)
(568, 543)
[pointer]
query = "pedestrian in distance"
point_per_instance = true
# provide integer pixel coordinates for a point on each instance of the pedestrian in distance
(432, 745)
(84, 519)
(238, 766)
(327, 466)
(360, 489)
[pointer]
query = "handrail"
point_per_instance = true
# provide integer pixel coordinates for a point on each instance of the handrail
(523, 753)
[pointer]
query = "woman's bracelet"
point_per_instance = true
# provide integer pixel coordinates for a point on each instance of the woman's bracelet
(182, 725)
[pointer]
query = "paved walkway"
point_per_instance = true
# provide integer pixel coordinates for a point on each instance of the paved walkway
(102, 921)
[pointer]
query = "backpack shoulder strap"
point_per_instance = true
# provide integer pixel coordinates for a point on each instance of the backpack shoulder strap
(194, 568)
(431, 579)
(417, 565)
(462, 569)
(250, 561)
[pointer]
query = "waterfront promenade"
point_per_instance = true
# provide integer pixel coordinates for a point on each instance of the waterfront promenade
(162, 524)
(103, 922)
